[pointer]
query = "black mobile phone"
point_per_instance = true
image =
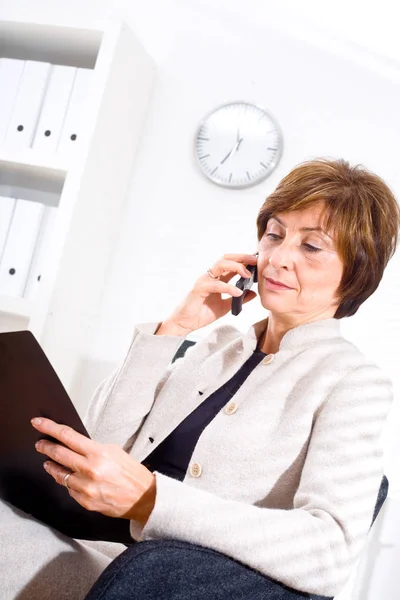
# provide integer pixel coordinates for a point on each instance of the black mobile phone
(245, 284)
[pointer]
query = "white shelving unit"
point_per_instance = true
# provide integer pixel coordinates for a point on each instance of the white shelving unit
(89, 190)
(27, 174)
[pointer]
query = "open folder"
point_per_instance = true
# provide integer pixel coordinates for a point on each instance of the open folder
(29, 387)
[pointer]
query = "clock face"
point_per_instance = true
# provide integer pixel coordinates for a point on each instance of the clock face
(238, 145)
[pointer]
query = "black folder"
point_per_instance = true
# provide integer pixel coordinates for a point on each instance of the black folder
(30, 387)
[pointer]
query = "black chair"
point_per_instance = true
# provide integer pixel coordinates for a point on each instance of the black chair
(182, 349)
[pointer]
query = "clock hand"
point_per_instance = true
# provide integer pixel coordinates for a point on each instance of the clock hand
(235, 147)
(227, 156)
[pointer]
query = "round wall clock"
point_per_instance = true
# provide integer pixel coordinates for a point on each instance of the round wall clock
(238, 145)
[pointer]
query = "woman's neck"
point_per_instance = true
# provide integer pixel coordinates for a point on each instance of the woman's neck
(271, 338)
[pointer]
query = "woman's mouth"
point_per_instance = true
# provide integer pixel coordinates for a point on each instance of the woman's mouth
(273, 285)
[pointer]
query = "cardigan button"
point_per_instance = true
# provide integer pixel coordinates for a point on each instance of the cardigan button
(195, 470)
(231, 408)
(268, 359)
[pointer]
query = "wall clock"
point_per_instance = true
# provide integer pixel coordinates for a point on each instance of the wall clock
(238, 145)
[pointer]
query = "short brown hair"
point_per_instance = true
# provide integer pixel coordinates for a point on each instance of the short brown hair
(362, 212)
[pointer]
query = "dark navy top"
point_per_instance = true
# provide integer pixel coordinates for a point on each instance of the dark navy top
(173, 455)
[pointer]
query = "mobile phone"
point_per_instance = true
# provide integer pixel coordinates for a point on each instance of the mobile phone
(245, 284)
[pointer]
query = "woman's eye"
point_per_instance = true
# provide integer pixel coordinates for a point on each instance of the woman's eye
(312, 248)
(309, 247)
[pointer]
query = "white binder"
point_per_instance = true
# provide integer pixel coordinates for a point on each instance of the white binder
(41, 253)
(6, 212)
(25, 223)
(46, 137)
(76, 113)
(10, 77)
(54, 107)
(27, 105)
(21, 240)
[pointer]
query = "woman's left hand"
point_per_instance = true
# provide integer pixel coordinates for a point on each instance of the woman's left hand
(104, 478)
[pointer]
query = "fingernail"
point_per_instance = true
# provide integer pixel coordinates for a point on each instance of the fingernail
(46, 465)
(248, 272)
(36, 421)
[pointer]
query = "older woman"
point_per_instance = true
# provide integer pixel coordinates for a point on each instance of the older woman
(256, 456)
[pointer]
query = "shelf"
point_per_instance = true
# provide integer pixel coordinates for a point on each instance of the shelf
(50, 43)
(18, 307)
(32, 176)
(89, 187)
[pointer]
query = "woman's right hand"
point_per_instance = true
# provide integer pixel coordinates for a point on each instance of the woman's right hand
(204, 304)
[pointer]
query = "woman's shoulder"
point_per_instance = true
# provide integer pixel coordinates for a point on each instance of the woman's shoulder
(217, 339)
(347, 360)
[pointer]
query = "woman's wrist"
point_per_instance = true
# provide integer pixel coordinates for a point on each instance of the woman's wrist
(144, 507)
(167, 328)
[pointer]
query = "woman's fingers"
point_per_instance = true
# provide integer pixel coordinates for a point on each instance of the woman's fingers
(203, 304)
(57, 472)
(64, 456)
(241, 257)
(248, 297)
(112, 483)
(232, 264)
(78, 485)
(226, 268)
(218, 287)
(64, 434)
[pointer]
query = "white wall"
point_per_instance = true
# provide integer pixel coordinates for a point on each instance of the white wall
(176, 223)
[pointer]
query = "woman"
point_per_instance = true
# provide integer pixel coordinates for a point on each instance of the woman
(261, 449)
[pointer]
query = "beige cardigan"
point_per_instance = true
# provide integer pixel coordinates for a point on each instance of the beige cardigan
(286, 480)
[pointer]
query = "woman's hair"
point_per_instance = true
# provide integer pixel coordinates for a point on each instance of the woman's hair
(361, 211)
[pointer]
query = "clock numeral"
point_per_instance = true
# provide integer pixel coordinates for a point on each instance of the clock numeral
(230, 177)
(262, 164)
(248, 176)
(275, 149)
(204, 139)
(212, 172)
(205, 156)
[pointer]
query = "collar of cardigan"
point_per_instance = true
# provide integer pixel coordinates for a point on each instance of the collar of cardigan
(237, 347)
(302, 335)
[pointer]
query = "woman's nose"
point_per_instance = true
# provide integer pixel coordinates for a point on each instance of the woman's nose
(282, 256)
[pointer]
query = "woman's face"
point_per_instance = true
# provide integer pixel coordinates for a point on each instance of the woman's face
(295, 252)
